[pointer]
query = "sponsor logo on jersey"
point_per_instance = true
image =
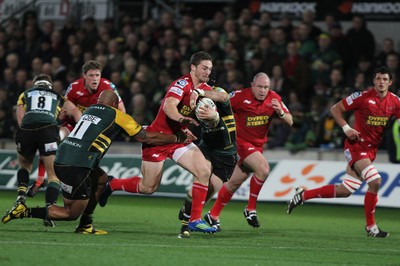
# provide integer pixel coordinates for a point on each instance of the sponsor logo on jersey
(247, 102)
(372, 102)
(91, 118)
(176, 90)
(353, 96)
(259, 120)
(155, 155)
(377, 120)
(181, 83)
(80, 93)
(363, 153)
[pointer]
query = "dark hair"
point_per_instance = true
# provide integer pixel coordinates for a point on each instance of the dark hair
(383, 70)
(42, 81)
(198, 57)
(91, 65)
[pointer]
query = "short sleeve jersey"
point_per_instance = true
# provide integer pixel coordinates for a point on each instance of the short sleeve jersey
(253, 117)
(41, 106)
(221, 139)
(93, 135)
(181, 90)
(372, 113)
(82, 98)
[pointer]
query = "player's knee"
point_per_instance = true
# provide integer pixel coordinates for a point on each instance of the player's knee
(148, 189)
(262, 172)
(351, 184)
(371, 176)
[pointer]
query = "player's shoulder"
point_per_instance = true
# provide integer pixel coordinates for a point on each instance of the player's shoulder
(182, 82)
(75, 85)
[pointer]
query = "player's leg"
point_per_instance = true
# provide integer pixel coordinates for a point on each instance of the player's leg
(152, 174)
(350, 183)
(192, 159)
(96, 176)
(260, 166)
(370, 174)
(227, 190)
(26, 149)
(25, 167)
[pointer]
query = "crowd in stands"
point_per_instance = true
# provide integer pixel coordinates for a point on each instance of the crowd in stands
(311, 67)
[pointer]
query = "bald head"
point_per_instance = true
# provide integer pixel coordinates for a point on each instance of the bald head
(108, 98)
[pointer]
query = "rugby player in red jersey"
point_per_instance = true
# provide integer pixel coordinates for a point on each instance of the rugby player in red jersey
(253, 109)
(174, 114)
(373, 108)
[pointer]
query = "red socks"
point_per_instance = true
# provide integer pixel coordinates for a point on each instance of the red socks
(255, 187)
(41, 173)
(224, 196)
(327, 191)
(370, 201)
(127, 184)
(199, 194)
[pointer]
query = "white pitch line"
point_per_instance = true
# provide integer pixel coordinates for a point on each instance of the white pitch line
(187, 246)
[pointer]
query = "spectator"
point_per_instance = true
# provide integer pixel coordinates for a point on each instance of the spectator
(308, 18)
(308, 46)
(114, 56)
(362, 42)
(323, 60)
(140, 111)
(341, 44)
(298, 71)
(387, 48)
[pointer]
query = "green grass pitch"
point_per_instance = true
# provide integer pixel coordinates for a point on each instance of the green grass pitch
(143, 230)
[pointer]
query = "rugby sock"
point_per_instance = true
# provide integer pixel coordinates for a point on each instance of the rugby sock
(52, 192)
(188, 206)
(37, 212)
(224, 196)
(22, 181)
(327, 191)
(41, 172)
(370, 201)
(127, 184)
(255, 187)
(86, 219)
(199, 194)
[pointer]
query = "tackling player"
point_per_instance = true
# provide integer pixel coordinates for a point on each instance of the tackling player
(80, 154)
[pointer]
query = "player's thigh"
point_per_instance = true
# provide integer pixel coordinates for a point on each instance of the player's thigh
(239, 175)
(258, 164)
(152, 173)
(194, 161)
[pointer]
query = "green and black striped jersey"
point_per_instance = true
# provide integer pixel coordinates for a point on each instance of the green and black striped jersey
(221, 139)
(93, 135)
(41, 106)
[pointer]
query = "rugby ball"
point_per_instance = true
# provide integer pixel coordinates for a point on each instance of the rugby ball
(203, 102)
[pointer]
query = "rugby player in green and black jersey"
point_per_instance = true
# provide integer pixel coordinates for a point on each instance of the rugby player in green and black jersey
(80, 154)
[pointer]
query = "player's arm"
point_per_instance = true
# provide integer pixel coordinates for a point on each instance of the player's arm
(72, 110)
(284, 116)
(216, 96)
(20, 112)
(156, 138)
(171, 110)
(337, 111)
(121, 106)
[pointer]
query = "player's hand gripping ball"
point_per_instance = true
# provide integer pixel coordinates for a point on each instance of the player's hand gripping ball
(206, 112)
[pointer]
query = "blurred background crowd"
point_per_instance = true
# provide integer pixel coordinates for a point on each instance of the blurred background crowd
(310, 66)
